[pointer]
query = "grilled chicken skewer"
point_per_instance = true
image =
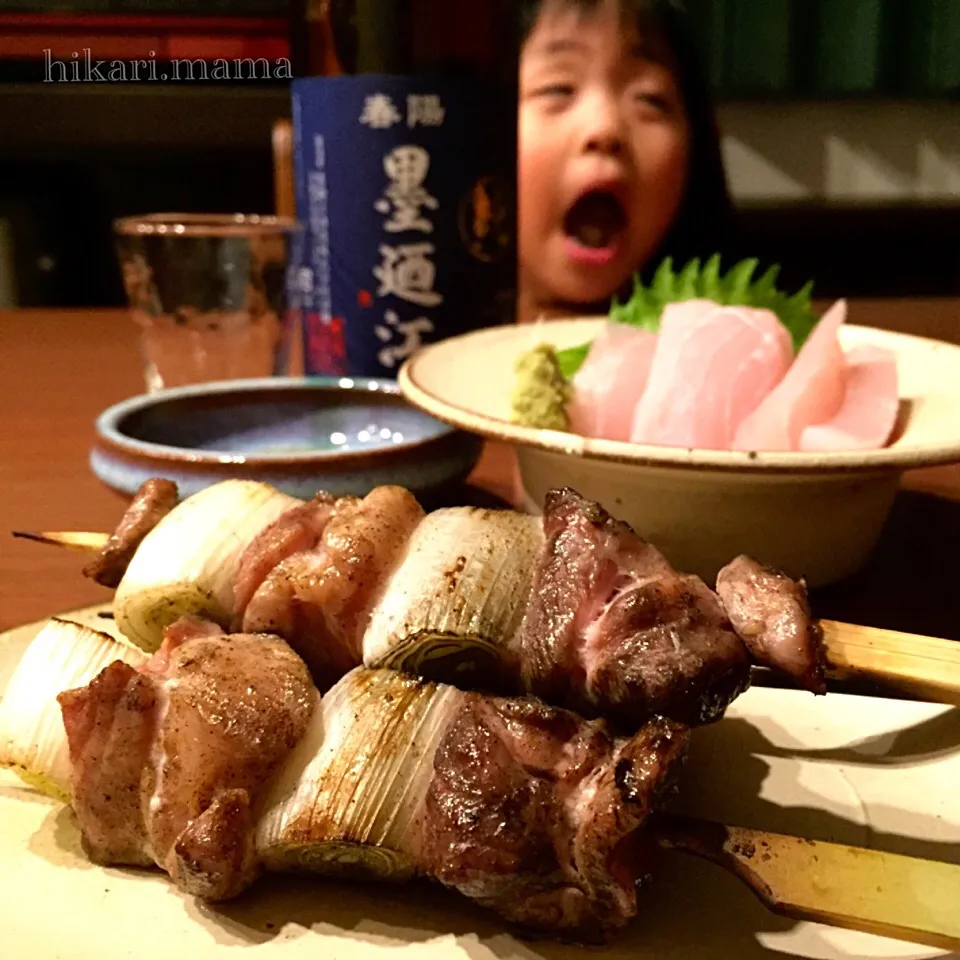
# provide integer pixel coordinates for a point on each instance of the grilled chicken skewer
(224, 764)
(576, 609)
(924, 667)
(216, 757)
(451, 609)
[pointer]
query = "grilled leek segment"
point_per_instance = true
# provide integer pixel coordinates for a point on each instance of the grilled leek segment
(33, 741)
(347, 800)
(188, 563)
(459, 596)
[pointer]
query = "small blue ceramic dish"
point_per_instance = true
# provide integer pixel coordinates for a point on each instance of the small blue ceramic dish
(338, 434)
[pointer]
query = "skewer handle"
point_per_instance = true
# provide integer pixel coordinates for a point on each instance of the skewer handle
(850, 887)
(73, 539)
(923, 667)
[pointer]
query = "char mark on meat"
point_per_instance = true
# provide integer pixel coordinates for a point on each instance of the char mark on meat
(213, 856)
(664, 646)
(541, 815)
(771, 613)
(613, 629)
(150, 504)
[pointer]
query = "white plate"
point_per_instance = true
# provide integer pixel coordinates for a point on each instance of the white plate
(878, 773)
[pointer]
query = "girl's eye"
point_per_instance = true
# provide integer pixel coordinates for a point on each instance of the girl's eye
(556, 91)
(658, 101)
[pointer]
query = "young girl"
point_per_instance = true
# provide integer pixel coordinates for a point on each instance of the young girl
(620, 162)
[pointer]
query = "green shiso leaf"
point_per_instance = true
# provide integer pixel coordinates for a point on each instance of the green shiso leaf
(705, 282)
(688, 281)
(736, 284)
(570, 361)
(710, 277)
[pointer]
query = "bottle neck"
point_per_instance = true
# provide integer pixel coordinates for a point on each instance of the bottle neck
(312, 45)
(426, 37)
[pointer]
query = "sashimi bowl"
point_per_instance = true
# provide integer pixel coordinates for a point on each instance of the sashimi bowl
(816, 515)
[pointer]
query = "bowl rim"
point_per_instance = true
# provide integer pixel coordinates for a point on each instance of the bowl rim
(109, 434)
(884, 460)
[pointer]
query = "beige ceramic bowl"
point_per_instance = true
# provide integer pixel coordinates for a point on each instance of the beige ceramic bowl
(813, 515)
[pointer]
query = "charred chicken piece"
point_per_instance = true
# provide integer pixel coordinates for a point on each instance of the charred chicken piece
(542, 816)
(771, 613)
(527, 809)
(151, 503)
(612, 629)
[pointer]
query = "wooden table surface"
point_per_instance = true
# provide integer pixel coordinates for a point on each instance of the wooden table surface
(60, 369)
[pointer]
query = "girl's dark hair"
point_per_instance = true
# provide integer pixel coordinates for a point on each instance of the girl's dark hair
(704, 222)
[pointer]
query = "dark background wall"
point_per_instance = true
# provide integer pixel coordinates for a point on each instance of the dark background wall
(802, 84)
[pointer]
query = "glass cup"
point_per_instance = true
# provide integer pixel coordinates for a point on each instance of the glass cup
(208, 294)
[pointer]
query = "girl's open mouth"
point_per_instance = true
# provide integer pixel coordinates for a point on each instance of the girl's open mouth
(596, 221)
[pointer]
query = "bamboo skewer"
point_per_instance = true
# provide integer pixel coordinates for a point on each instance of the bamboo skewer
(851, 887)
(924, 667)
(73, 540)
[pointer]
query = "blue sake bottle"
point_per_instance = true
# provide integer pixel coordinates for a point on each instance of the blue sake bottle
(405, 167)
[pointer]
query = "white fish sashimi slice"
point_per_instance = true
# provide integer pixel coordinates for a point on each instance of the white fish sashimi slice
(611, 381)
(811, 392)
(651, 414)
(713, 366)
(870, 405)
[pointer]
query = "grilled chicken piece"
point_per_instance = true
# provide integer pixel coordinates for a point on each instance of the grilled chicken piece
(528, 809)
(320, 600)
(612, 629)
(540, 815)
(167, 762)
(109, 725)
(664, 646)
(151, 503)
(587, 556)
(299, 529)
(771, 613)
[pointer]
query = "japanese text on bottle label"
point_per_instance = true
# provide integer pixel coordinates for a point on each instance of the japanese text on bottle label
(406, 271)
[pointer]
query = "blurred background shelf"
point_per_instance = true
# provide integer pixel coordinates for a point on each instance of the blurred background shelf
(57, 46)
(823, 48)
(841, 124)
(194, 8)
(58, 117)
(75, 157)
